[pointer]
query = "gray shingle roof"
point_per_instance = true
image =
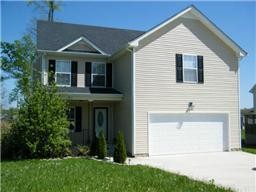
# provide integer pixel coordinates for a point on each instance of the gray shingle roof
(55, 35)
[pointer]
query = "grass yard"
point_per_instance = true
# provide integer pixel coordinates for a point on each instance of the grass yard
(247, 148)
(82, 174)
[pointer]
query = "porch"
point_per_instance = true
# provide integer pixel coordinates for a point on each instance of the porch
(88, 118)
(95, 109)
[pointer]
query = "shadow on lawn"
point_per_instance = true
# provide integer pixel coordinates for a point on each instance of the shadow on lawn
(246, 145)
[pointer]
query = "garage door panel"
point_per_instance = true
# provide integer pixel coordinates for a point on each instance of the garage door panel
(186, 133)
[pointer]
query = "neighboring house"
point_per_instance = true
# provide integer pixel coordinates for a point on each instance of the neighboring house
(253, 91)
(248, 118)
(171, 89)
(249, 111)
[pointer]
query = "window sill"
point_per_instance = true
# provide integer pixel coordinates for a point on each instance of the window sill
(190, 82)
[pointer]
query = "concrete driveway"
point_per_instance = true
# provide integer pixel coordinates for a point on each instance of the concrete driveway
(231, 169)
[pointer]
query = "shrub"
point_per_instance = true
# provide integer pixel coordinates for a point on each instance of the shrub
(120, 149)
(102, 146)
(10, 145)
(40, 129)
(79, 150)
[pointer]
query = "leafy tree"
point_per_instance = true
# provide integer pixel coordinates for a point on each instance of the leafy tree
(8, 114)
(120, 149)
(48, 6)
(41, 126)
(17, 59)
(102, 146)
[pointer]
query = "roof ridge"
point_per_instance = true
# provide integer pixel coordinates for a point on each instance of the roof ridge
(83, 25)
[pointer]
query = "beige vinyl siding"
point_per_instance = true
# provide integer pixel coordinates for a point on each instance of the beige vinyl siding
(82, 46)
(156, 87)
(122, 110)
(80, 65)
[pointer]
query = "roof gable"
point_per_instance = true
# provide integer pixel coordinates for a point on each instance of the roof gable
(253, 89)
(194, 13)
(82, 45)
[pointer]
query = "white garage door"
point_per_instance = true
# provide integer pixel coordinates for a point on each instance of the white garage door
(187, 133)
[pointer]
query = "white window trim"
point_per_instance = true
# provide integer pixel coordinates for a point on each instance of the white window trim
(191, 68)
(62, 73)
(98, 74)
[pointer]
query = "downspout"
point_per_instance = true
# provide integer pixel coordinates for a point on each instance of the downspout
(133, 106)
(238, 90)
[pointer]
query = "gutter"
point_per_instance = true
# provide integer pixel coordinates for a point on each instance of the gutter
(73, 53)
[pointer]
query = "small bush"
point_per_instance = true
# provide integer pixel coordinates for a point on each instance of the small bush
(10, 145)
(79, 150)
(120, 149)
(102, 146)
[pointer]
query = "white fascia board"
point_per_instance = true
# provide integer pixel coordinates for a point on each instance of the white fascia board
(82, 39)
(201, 18)
(73, 53)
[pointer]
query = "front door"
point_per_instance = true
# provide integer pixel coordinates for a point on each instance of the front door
(101, 121)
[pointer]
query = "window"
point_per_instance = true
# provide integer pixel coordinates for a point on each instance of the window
(63, 73)
(71, 119)
(190, 69)
(98, 75)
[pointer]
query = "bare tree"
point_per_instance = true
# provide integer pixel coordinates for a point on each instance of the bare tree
(49, 6)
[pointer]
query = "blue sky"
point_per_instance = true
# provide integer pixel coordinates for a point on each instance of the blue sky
(236, 19)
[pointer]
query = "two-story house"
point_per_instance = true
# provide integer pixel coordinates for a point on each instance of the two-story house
(171, 89)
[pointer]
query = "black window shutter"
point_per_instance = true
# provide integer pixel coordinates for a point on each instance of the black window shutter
(200, 67)
(78, 119)
(88, 71)
(179, 70)
(109, 75)
(51, 71)
(73, 73)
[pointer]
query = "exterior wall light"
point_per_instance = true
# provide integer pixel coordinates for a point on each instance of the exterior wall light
(190, 106)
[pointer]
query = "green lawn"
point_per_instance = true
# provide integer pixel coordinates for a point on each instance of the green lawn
(247, 148)
(90, 175)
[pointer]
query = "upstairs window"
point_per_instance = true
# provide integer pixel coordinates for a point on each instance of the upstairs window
(63, 73)
(190, 68)
(98, 76)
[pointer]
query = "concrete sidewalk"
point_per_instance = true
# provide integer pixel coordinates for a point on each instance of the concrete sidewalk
(230, 169)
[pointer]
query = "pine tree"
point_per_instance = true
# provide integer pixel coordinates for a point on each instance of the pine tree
(102, 146)
(120, 149)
